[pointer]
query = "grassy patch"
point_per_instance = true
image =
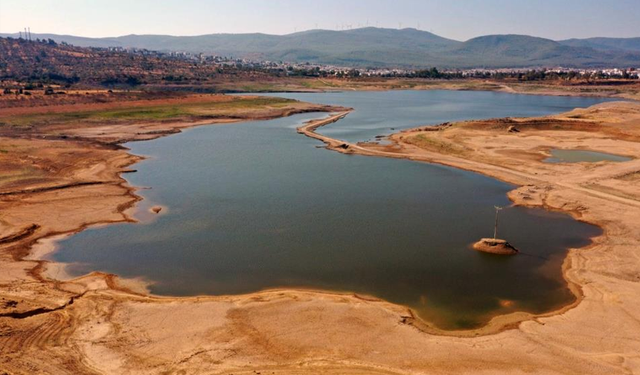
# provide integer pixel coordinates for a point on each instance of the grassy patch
(152, 112)
(433, 144)
(258, 87)
(159, 113)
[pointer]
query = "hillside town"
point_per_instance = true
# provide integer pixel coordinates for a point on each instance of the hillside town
(46, 62)
(311, 69)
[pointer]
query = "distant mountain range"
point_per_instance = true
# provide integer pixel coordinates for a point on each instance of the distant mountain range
(377, 47)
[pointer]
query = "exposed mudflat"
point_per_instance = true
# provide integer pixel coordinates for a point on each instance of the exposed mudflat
(101, 324)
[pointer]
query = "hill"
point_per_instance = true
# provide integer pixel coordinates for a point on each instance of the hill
(377, 47)
(524, 51)
(606, 44)
(50, 62)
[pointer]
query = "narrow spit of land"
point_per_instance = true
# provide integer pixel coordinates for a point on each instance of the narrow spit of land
(102, 324)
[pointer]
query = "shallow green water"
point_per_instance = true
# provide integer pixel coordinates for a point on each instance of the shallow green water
(577, 156)
(255, 205)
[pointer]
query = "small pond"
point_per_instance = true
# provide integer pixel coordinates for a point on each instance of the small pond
(578, 156)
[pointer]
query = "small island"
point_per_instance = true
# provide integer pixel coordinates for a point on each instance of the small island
(495, 246)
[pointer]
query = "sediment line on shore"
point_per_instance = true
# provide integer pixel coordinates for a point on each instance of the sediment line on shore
(499, 322)
(113, 329)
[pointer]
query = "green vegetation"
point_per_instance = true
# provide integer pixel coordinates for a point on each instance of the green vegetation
(429, 143)
(259, 87)
(159, 113)
(376, 47)
(606, 44)
(191, 111)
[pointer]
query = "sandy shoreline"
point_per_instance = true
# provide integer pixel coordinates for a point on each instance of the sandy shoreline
(499, 322)
(474, 160)
(99, 318)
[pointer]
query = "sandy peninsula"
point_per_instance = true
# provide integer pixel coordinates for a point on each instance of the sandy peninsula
(62, 178)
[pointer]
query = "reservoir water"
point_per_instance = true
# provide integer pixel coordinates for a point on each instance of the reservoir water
(252, 206)
(579, 156)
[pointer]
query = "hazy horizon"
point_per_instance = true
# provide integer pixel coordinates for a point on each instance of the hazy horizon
(299, 31)
(461, 20)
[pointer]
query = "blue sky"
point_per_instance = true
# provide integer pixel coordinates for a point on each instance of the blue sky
(455, 19)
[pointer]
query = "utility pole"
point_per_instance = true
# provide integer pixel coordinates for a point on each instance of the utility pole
(495, 228)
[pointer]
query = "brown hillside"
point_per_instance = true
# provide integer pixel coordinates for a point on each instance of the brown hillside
(49, 63)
